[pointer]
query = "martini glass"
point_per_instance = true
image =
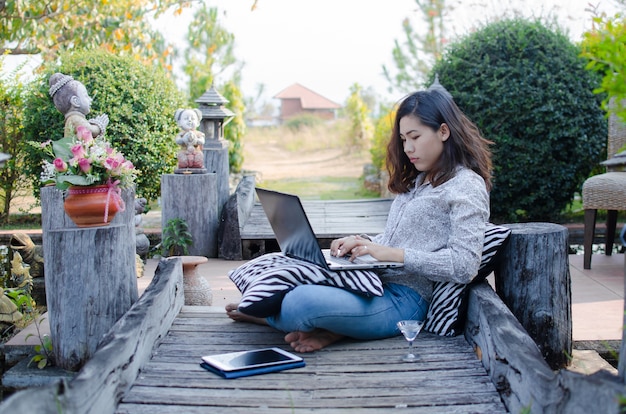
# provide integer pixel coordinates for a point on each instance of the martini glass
(410, 329)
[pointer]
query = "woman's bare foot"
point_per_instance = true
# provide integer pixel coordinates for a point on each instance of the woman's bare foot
(233, 313)
(311, 341)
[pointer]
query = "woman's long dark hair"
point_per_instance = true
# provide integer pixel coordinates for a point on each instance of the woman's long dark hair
(465, 146)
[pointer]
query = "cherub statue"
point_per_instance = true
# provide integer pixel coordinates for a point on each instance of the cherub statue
(70, 97)
(190, 140)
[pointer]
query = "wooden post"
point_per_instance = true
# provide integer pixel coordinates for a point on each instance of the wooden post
(621, 365)
(193, 198)
(533, 280)
(233, 218)
(216, 162)
(90, 277)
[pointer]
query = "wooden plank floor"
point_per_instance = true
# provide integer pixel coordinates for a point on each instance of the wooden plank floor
(350, 376)
(328, 218)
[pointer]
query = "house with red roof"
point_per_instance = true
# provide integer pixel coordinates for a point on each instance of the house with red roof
(297, 99)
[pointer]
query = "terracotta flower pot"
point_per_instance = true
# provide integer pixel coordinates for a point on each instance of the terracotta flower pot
(93, 206)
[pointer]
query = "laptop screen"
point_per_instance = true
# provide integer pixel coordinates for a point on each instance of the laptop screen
(291, 226)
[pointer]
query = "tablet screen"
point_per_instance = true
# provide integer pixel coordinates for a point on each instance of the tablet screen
(249, 359)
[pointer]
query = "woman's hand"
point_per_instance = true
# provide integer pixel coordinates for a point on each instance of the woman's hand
(356, 246)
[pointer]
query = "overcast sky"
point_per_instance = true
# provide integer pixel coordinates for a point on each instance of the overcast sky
(328, 45)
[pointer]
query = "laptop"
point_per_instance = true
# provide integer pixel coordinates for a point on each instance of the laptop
(296, 238)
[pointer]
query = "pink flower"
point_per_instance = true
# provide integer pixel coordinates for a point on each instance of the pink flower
(114, 162)
(46, 143)
(78, 151)
(84, 164)
(60, 165)
(84, 133)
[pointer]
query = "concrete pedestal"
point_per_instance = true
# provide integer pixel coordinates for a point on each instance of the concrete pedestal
(193, 198)
(197, 289)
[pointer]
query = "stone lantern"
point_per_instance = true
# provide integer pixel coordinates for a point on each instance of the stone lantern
(214, 117)
(215, 149)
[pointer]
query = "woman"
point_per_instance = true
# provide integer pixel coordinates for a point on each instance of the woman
(440, 168)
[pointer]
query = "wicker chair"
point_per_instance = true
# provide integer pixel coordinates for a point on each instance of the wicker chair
(606, 191)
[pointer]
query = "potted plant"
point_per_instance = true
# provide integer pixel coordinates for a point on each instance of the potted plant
(92, 173)
(176, 238)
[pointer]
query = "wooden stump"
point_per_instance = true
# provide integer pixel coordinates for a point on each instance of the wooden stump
(90, 277)
(622, 350)
(216, 162)
(533, 280)
(193, 198)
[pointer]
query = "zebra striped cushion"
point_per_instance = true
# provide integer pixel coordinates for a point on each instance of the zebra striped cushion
(448, 307)
(264, 281)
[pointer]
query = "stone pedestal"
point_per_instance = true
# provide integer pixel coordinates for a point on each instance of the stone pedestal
(194, 199)
(90, 277)
(197, 289)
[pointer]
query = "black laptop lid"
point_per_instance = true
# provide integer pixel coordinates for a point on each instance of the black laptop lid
(291, 226)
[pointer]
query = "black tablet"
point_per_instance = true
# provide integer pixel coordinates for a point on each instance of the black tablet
(257, 358)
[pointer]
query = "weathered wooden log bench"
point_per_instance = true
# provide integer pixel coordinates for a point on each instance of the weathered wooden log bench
(149, 363)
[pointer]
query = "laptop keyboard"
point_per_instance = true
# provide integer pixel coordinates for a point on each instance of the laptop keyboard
(346, 259)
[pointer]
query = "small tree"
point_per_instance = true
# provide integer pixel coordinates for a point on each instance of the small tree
(382, 134)
(361, 127)
(527, 89)
(11, 139)
(210, 55)
(140, 101)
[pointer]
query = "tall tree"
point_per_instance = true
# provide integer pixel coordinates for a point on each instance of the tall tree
(210, 57)
(209, 52)
(31, 27)
(415, 57)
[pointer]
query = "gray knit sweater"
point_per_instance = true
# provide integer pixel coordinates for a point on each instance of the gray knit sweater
(441, 231)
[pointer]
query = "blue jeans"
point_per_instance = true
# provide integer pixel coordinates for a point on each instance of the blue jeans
(308, 307)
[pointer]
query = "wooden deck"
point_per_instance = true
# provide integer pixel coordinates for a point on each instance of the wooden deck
(351, 376)
(327, 218)
(149, 363)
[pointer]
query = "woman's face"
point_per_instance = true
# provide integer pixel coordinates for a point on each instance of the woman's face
(421, 144)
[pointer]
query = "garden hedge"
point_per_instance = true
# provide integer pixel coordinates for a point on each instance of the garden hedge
(526, 87)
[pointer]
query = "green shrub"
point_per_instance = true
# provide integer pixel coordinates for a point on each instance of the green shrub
(140, 101)
(304, 120)
(382, 133)
(235, 130)
(527, 89)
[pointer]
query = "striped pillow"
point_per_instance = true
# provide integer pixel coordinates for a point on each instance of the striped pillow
(448, 307)
(264, 281)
